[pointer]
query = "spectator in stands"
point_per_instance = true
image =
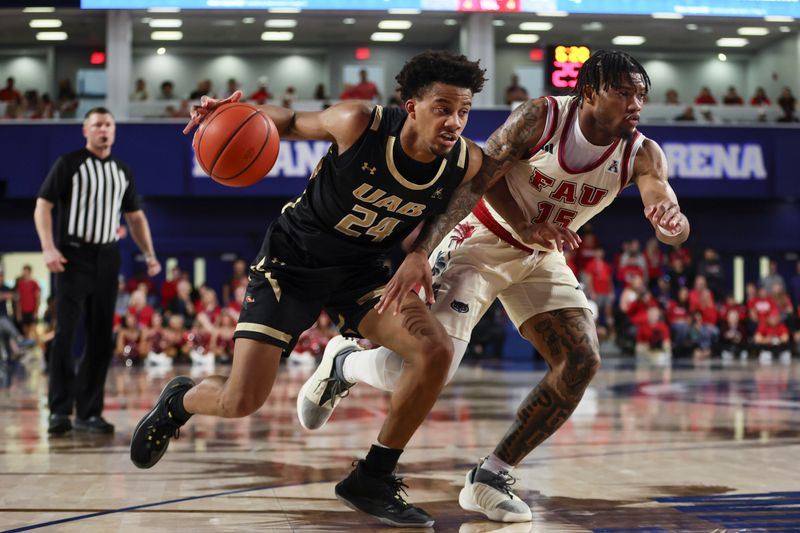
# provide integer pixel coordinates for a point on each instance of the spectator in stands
(153, 337)
(261, 94)
(706, 307)
(732, 97)
(139, 308)
(671, 97)
(733, 336)
(208, 308)
(588, 248)
(653, 341)
(140, 93)
(289, 97)
(9, 93)
(772, 277)
(599, 280)
(730, 304)
(231, 86)
(347, 92)
(515, 92)
(711, 269)
(170, 286)
(678, 318)
(655, 262)
(167, 90)
(321, 95)
(701, 337)
(123, 298)
(632, 261)
(678, 277)
(772, 338)
(67, 100)
(365, 89)
(687, 115)
(760, 98)
(203, 89)
(783, 303)
(238, 278)
(27, 294)
(182, 303)
(222, 339)
(787, 105)
(47, 107)
(128, 346)
(761, 306)
(705, 97)
(697, 289)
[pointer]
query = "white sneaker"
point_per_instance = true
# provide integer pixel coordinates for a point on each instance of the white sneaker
(321, 392)
(490, 494)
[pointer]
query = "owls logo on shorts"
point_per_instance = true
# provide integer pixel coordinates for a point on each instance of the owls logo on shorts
(459, 307)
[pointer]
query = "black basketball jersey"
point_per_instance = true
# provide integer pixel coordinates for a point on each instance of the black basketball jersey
(363, 202)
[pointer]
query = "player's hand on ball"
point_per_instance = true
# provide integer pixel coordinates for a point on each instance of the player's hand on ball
(550, 236)
(207, 105)
(666, 215)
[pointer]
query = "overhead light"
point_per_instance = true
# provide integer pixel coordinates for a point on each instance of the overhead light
(498, 22)
(778, 18)
(592, 26)
(248, 20)
(691, 27)
(277, 36)
(394, 24)
(387, 36)
(348, 20)
(450, 22)
(785, 29)
(280, 23)
(285, 10)
(552, 14)
(166, 35)
(522, 38)
(39, 10)
(45, 23)
(164, 10)
(628, 40)
(667, 16)
(722, 57)
(161, 51)
(404, 11)
(166, 23)
(536, 26)
(51, 36)
(751, 30)
(732, 42)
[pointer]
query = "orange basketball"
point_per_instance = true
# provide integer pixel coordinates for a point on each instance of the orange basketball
(237, 144)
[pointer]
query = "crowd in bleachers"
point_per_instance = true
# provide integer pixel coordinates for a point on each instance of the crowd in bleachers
(659, 304)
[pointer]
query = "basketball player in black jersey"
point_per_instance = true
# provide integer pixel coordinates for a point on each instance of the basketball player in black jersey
(387, 171)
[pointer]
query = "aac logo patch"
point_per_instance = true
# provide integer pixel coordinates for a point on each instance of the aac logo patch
(459, 307)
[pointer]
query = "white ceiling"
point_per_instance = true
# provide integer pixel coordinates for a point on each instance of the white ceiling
(325, 28)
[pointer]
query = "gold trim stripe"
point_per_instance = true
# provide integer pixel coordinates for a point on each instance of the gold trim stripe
(274, 283)
(376, 122)
(462, 155)
(372, 294)
(400, 179)
(264, 330)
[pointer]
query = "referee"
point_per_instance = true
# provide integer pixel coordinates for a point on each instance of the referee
(90, 188)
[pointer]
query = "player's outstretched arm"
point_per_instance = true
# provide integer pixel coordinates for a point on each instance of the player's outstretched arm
(507, 144)
(342, 123)
(660, 202)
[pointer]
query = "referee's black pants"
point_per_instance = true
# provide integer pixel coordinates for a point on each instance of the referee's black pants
(89, 283)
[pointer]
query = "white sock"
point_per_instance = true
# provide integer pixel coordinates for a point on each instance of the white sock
(496, 465)
(381, 367)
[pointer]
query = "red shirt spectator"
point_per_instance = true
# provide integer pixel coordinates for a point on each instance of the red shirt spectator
(709, 312)
(731, 305)
(600, 273)
(655, 260)
(761, 306)
(28, 292)
(625, 273)
(677, 312)
(760, 98)
(705, 97)
(637, 312)
(648, 332)
(680, 253)
(773, 331)
(144, 315)
(9, 93)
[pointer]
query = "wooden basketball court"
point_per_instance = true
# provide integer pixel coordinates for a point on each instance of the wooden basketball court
(650, 449)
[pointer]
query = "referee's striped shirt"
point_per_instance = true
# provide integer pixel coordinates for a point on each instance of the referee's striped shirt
(90, 194)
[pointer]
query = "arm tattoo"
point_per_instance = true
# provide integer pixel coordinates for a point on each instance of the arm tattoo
(569, 340)
(503, 147)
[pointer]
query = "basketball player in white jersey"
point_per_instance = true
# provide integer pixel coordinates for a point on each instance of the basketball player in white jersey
(564, 160)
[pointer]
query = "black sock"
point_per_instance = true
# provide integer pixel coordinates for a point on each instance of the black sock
(175, 406)
(381, 461)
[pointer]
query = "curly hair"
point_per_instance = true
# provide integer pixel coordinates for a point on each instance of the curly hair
(441, 66)
(608, 68)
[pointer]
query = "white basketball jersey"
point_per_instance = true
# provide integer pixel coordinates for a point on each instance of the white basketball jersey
(547, 189)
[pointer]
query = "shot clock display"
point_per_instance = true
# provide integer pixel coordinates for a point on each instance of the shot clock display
(563, 63)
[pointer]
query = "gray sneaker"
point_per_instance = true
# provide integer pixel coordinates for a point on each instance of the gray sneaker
(490, 494)
(322, 391)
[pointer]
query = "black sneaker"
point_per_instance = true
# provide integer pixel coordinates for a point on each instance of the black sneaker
(380, 497)
(151, 436)
(58, 424)
(93, 424)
